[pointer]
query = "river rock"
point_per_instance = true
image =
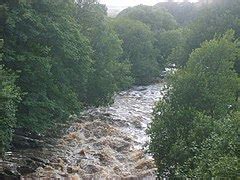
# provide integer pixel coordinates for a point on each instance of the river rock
(75, 177)
(119, 145)
(145, 164)
(40, 160)
(22, 142)
(137, 155)
(91, 169)
(73, 169)
(137, 124)
(24, 170)
(131, 178)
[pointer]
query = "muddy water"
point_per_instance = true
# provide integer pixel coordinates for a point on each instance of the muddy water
(103, 143)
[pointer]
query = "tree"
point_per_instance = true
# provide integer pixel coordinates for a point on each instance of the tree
(214, 19)
(184, 12)
(9, 98)
(138, 49)
(44, 45)
(109, 74)
(168, 41)
(198, 98)
(158, 19)
(162, 25)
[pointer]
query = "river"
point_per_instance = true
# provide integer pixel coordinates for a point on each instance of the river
(102, 143)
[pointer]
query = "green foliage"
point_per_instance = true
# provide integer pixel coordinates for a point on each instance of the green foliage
(109, 74)
(170, 43)
(9, 97)
(184, 13)
(163, 26)
(214, 20)
(65, 56)
(219, 155)
(188, 137)
(45, 46)
(138, 49)
(178, 56)
(157, 19)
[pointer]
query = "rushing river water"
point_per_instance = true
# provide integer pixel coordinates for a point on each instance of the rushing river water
(103, 143)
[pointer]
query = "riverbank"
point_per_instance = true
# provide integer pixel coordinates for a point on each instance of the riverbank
(103, 143)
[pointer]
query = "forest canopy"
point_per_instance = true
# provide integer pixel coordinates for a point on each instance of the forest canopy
(59, 57)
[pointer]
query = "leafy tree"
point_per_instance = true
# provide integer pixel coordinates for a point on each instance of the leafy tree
(186, 124)
(184, 12)
(9, 97)
(219, 155)
(169, 42)
(215, 19)
(138, 49)
(44, 45)
(158, 19)
(109, 74)
(161, 23)
(178, 56)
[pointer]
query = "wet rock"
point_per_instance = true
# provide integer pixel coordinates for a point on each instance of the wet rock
(71, 136)
(86, 133)
(24, 170)
(82, 153)
(40, 160)
(107, 114)
(100, 132)
(103, 158)
(22, 142)
(149, 174)
(48, 168)
(137, 155)
(145, 164)
(91, 169)
(9, 177)
(75, 177)
(8, 168)
(131, 178)
(117, 170)
(73, 169)
(120, 123)
(58, 164)
(75, 127)
(137, 124)
(119, 145)
(127, 138)
(39, 172)
(8, 172)
(120, 157)
(27, 133)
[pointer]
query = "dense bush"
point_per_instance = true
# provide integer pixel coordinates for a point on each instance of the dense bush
(65, 56)
(158, 19)
(9, 97)
(109, 74)
(138, 49)
(194, 119)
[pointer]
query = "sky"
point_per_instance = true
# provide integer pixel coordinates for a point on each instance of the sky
(126, 3)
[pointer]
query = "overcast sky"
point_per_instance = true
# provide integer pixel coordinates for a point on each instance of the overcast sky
(134, 2)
